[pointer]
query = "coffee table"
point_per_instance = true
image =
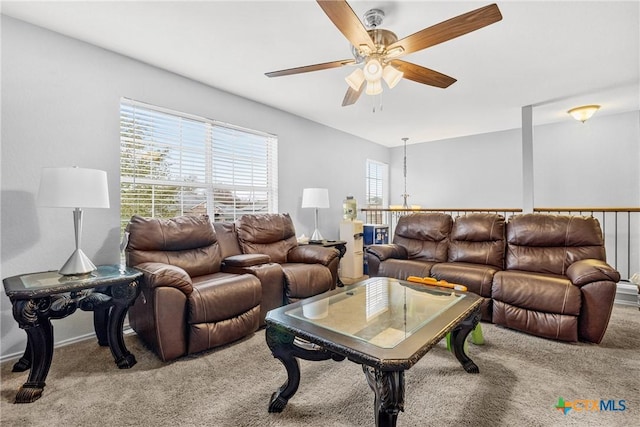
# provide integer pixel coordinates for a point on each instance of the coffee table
(384, 324)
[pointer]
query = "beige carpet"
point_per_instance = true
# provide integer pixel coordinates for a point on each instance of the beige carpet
(521, 378)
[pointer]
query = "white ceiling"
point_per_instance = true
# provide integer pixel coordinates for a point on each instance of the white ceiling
(551, 54)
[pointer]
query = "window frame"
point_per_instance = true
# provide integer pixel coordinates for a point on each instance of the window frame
(222, 159)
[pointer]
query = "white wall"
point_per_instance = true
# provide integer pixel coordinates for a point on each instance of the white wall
(595, 163)
(592, 164)
(60, 107)
(480, 171)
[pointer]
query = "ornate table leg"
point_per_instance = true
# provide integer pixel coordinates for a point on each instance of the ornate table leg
(388, 387)
(32, 316)
(458, 337)
(123, 296)
(283, 348)
(281, 344)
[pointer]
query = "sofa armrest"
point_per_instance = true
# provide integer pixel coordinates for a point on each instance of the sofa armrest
(312, 254)
(591, 270)
(246, 260)
(157, 274)
(383, 252)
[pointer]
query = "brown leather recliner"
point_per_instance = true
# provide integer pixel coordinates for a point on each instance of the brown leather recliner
(308, 270)
(420, 241)
(187, 304)
(556, 282)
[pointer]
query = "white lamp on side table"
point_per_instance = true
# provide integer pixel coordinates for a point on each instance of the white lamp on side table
(73, 187)
(315, 198)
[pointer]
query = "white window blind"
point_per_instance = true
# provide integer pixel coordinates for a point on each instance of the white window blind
(172, 163)
(376, 177)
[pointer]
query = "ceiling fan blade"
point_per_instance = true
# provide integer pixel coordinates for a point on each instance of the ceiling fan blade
(343, 17)
(448, 29)
(352, 95)
(309, 68)
(423, 75)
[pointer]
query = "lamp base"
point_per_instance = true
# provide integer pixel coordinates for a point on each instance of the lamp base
(78, 263)
(317, 236)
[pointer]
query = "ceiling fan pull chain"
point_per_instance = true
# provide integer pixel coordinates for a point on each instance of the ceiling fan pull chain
(379, 103)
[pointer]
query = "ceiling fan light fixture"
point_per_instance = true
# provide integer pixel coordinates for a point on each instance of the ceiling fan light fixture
(583, 113)
(374, 87)
(355, 79)
(391, 76)
(373, 70)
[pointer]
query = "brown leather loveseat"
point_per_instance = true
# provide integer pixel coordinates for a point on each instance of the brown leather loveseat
(208, 284)
(542, 274)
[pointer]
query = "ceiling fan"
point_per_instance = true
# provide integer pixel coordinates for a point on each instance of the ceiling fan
(379, 49)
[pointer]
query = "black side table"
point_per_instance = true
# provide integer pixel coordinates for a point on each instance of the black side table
(39, 297)
(340, 245)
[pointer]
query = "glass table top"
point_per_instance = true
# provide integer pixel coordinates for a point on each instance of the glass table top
(380, 311)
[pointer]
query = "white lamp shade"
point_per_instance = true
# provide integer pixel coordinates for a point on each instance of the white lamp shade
(315, 198)
(73, 187)
(391, 76)
(355, 79)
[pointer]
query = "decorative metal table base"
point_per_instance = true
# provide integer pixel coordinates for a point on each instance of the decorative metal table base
(109, 308)
(388, 386)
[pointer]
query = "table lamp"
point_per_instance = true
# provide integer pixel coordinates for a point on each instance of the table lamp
(315, 198)
(73, 187)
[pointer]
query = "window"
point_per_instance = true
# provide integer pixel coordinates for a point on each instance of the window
(377, 178)
(174, 164)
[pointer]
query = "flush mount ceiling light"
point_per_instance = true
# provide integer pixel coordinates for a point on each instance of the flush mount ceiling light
(583, 113)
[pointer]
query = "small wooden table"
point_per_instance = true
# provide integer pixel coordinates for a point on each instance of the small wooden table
(384, 324)
(39, 297)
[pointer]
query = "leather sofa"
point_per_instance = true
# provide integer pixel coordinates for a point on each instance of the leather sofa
(207, 284)
(542, 274)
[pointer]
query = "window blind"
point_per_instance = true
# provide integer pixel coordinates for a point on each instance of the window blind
(376, 178)
(173, 163)
(375, 185)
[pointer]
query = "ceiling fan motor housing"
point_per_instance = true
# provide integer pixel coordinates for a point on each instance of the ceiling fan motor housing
(382, 38)
(373, 18)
